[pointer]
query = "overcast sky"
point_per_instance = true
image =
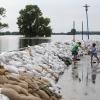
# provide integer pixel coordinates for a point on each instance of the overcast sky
(61, 12)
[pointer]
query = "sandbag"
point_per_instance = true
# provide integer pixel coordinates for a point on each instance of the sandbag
(3, 79)
(13, 95)
(43, 95)
(2, 71)
(11, 68)
(16, 88)
(3, 97)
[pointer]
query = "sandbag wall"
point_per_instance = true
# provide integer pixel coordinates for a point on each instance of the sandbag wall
(24, 86)
(45, 61)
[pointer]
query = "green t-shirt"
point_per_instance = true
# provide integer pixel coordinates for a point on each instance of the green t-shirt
(75, 47)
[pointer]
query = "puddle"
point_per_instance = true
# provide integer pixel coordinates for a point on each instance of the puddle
(81, 81)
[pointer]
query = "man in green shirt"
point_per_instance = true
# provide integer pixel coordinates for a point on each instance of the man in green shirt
(75, 50)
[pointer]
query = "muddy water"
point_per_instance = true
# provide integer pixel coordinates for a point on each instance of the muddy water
(81, 81)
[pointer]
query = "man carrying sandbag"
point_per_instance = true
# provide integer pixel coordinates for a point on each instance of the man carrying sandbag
(74, 50)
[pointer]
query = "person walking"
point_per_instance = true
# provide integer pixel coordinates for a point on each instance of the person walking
(93, 53)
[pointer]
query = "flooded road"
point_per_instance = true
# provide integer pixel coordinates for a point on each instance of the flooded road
(80, 81)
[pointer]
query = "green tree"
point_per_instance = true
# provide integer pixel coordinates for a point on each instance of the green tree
(73, 31)
(31, 22)
(2, 14)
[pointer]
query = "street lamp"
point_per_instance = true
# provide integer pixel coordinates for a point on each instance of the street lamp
(86, 9)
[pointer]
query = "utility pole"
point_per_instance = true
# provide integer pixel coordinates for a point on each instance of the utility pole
(74, 31)
(82, 30)
(73, 24)
(86, 9)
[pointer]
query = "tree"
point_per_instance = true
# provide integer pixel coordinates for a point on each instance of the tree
(73, 31)
(2, 14)
(31, 22)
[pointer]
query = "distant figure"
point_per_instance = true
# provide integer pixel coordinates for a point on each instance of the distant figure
(29, 50)
(93, 52)
(75, 50)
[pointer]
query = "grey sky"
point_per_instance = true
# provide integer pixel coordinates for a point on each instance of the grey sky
(61, 12)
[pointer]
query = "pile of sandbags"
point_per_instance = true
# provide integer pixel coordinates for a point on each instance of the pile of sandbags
(36, 64)
(46, 60)
(24, 86)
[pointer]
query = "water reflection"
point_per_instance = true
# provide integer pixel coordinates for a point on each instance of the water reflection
(93, 77)
(10, 43)
(94, 71)
(75, 72)
(25, 42)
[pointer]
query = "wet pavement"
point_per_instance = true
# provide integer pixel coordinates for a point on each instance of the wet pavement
(81, 81)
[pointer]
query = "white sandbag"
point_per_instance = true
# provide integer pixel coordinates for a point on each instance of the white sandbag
(38, 69)
(28, 67)
(34, 73)
(22, 69)
(16, 63)
(3, 97)
(11, 68)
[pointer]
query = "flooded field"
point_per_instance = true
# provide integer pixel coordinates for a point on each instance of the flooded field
(81, 81)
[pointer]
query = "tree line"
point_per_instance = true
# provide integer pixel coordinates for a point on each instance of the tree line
(74, 32)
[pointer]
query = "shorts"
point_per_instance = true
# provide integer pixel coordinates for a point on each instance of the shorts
(74, 53)
(94, 54)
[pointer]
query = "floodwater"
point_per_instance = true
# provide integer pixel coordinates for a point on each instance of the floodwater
(15, 42)
(81, 81)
